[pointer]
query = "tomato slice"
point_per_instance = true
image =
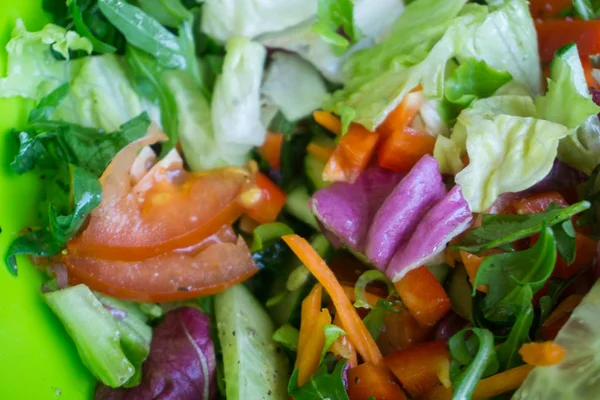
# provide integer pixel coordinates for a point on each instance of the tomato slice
(209, 267)
(168, 208)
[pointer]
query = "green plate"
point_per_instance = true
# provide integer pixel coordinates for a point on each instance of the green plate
(38, 361)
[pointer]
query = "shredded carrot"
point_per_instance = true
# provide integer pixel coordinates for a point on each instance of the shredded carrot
(308, 314)
(487, 388)
(351, 321)
(586, 62)
(542, 354)
(369, 297)
(308, 360)
(322, 153)
(329, 121)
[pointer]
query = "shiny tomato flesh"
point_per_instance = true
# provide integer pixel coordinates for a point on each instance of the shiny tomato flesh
(169, 208)
(209, 267)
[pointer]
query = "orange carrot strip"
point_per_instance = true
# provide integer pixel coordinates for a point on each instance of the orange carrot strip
(308, 314)
(542, 354)
(352, 324)
(308, 360)
(329, 121)
(342, 347)
(487, 388)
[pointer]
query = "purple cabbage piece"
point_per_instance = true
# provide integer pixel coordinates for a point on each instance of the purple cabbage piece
(445, 220)
(596, 97)
(181, 364)
(561, 176)
(403, 209)
(346, 210)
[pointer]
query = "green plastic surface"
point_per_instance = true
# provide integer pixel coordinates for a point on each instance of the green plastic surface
(38, 360)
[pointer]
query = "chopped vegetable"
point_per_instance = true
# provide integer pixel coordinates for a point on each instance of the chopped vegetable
(322, 385)
(421, 367)
(368, 381)
(352, 324)
(351, 156)
(329, 121)
(271, 149)
(309, 352)
(424, 296)
(270, 202)
(554, 34)
(542, 354)
(403, 148)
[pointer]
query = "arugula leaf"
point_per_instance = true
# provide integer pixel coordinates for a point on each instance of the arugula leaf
(565, 240)
(86, 195)
(44, 109)
(265, 234)
(474, 80)
(332, 333)
(149, 83)
(334, 14)
(83, 30)
(507, 273)
(508, 352)
(472, 359)
(322, 385)
(498, 229)
(145, 33)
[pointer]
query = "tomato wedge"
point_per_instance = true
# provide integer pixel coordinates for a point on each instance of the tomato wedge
(209, 267)
(169, 208)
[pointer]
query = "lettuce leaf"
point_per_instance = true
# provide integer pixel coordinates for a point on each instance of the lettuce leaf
(472, 80)
(375, 17)
(334, 15)
(32, 69)
(293, 85)
(236, 99)
(507, 154)
(223, 20)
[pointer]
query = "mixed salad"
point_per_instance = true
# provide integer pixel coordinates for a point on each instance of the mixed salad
(317, 199)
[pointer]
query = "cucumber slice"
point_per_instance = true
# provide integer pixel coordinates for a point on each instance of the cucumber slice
(255, 366)
(313, 168)
(297, 205)
(576, 376)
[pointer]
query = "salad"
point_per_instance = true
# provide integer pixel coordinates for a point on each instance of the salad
(317, 199)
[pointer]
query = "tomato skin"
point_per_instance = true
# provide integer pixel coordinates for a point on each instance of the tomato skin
(208, 269)
(554, 34)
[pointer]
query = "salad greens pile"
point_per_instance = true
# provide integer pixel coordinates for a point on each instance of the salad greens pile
(497, 215)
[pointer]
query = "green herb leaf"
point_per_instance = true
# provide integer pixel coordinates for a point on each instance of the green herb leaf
(265, 234)
(322, 385)
(149, 83)
(145, 33)
(48, 104)
(335, 14)
(332, 333)
(83, 30)
(507, 273)
(584, 9)
(472, 359)
(375, 319)
(474, 80)
(497, 229)
(565, 240)
(287, 336)
(508, 352)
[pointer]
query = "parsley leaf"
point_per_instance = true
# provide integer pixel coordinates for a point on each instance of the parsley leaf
(507, 273)
(498, 229)
(322, 385)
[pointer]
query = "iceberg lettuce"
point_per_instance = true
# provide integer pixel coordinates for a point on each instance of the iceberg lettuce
(224, 19)
(294, 85)
(32, 70)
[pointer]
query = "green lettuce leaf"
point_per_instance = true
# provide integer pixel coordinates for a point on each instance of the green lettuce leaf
(170, 13)
(235, 104)
(32, 69)
(333, 15)
(293, 85)
(287, 336)
(223, 20)
(472, 80)
(82, 28)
